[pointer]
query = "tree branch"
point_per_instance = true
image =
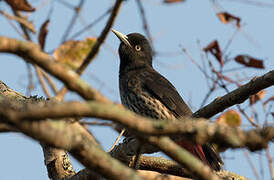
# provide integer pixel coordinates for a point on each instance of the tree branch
(198, 130)
(56, 160)
(66, 135)
(237, 96)
(74, 138)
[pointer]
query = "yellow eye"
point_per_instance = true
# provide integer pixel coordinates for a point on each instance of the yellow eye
(138, 48)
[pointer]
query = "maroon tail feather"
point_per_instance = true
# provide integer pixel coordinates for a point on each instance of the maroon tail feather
(195, 149)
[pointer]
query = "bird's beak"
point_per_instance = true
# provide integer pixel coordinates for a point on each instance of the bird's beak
(123, 38)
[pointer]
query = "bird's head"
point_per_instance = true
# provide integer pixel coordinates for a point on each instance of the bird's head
(134, 51)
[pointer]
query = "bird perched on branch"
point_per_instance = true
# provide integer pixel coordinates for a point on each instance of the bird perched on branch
(146, 92)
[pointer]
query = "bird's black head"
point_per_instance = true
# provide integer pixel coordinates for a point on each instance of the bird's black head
(135, 51)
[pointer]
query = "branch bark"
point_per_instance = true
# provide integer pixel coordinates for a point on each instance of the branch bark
(197, 130)
(237, 96)
(66, 135)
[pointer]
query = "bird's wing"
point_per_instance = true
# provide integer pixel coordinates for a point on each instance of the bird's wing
(164, 91)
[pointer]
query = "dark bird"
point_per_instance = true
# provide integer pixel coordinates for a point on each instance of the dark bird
(146, 92)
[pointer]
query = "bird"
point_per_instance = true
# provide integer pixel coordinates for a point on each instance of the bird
(146, 92)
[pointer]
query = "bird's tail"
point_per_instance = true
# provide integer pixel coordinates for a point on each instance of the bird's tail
(204, 153)
(213, 157)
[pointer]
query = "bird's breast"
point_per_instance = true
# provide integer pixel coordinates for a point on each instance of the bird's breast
(136, 99)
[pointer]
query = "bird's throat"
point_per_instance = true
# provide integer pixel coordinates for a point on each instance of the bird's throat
(131, 68)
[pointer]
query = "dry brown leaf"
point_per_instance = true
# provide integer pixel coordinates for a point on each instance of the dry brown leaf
(231, 118)
(255, 98)
(226, 17)
(249, 61)
(20, 5)
(215, 50)
(72, 53)
(43, 33)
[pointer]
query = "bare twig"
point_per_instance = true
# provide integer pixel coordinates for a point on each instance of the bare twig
(91, 24)
(251, 165)
(145, 23)
(269, 158)
(117, 140)
(42, 82)
(237, 96)
(30, 86)
(50, 82)
(73, 20)
(251, 121)
(23, 21)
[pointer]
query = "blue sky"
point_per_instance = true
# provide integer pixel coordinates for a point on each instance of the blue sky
(172, 27)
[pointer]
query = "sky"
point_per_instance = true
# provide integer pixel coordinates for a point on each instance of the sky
(173, 27)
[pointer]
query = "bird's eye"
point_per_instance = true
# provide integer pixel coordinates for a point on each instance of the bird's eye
(138, 48)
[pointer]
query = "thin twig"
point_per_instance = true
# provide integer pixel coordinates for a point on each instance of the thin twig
(254, 3)
(41, 80)
(30, 84)
(195, 62)
(145, 23)
(16, 29)
(77, 10)
(65, 3)
(230, 41)
(252, 165)
(117, 140)
(247, 117)
(269, 158)
(22, 20)
(91, 24)
(23, 27)
(208, 94)
(50, 82)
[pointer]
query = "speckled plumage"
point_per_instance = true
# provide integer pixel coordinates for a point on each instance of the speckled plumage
(146, 92)
(136, 97)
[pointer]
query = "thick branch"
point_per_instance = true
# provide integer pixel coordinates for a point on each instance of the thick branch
(237, 96)
(197, 130)
(124, 151)
(74, 138)
(56, 160)
(65, 135)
